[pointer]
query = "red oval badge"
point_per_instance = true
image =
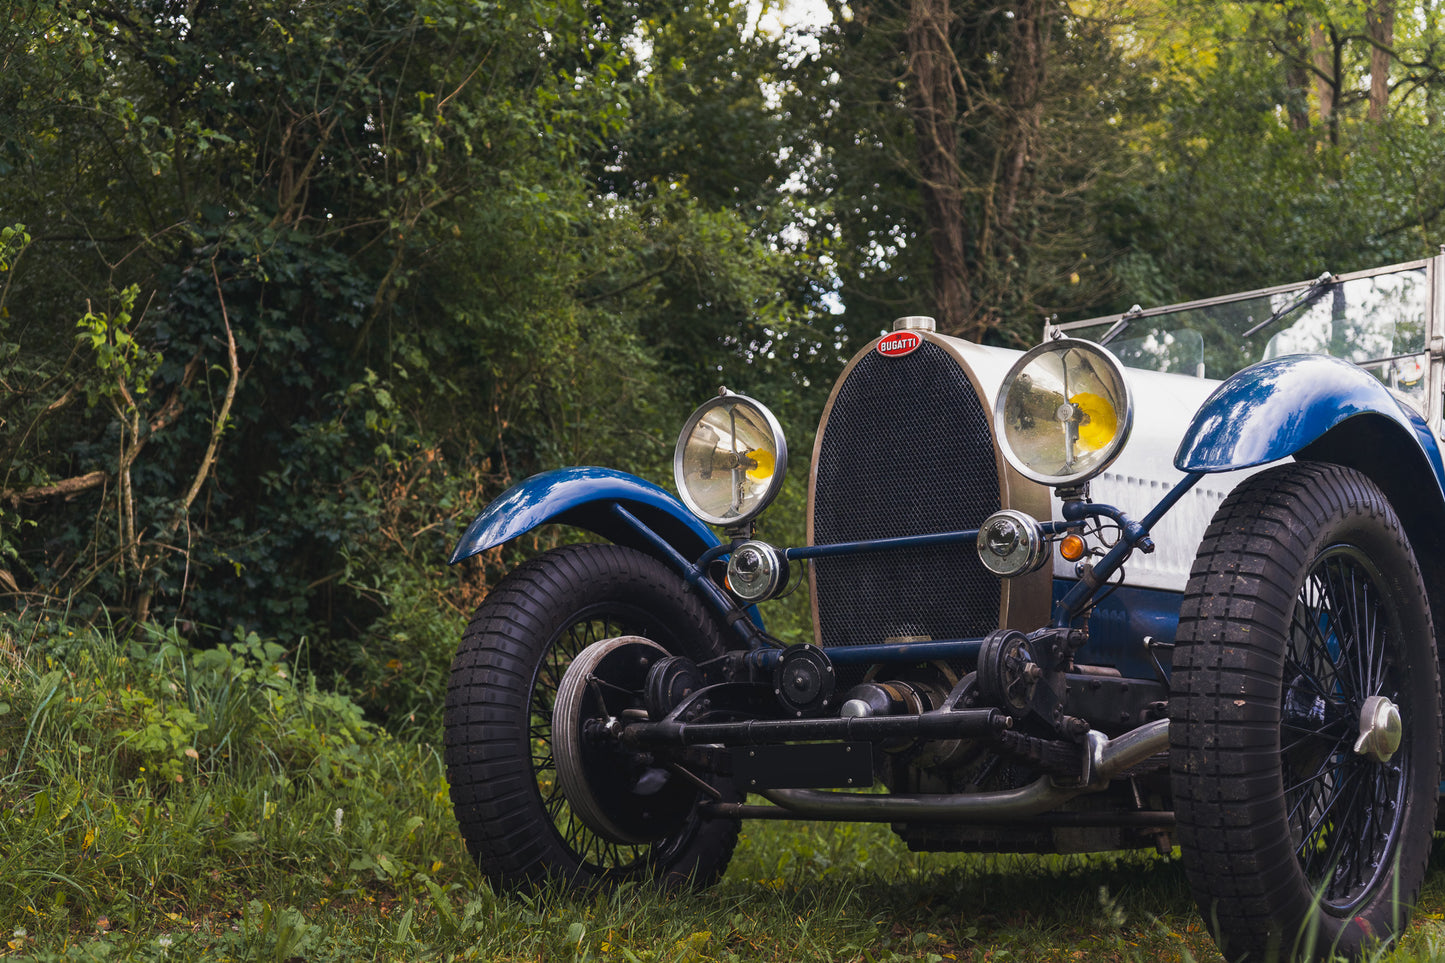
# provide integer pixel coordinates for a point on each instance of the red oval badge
(899, 343)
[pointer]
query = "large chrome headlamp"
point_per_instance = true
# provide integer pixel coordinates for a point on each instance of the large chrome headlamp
(1063, 412)
(730, 459)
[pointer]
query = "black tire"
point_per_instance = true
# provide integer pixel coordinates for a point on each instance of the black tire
(1304, 600)
(513, 816)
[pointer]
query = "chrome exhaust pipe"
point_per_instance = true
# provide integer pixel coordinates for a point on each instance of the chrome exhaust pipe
(1104, 758)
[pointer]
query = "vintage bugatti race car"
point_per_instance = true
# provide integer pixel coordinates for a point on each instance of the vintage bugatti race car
(1170, 578)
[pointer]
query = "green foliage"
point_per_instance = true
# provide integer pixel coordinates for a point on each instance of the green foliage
(1030, 244)
(13, 241)
(288, 293)
(117, 353)
(1247, 181)
(142, 781)
(341, 273)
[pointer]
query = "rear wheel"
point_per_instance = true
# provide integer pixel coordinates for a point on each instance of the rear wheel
(517, 820)
(1305, 719)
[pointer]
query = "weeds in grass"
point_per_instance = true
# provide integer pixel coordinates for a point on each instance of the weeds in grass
(163, 803)
(141, 781)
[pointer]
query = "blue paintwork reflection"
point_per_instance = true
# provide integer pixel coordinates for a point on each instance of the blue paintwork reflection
(583, 497)
(1277, 407)
(1119, 623)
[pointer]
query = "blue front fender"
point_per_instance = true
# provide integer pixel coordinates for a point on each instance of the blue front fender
(584, 497)
(1276, 408)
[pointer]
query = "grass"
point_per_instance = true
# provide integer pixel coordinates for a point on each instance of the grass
(158, 803)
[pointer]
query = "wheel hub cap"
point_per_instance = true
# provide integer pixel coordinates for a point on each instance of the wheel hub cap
(1380, 729)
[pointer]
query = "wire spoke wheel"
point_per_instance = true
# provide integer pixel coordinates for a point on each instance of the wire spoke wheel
(598, 854)
(501, 747)
(1345, 809)
(1305, 725)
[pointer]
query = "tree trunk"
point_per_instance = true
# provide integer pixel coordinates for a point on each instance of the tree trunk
(1380, 21)
(1296, 72)
(1026, 80)
(933, 100)
(1324, 51)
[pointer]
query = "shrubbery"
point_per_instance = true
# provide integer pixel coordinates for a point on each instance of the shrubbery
(287, 293)
(145, 778)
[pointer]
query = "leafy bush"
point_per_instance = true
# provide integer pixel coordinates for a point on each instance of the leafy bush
(304, 287)
(139, 772)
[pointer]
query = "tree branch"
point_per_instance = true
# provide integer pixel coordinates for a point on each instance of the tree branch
(208, 460)
(65, 487)
(219, 427)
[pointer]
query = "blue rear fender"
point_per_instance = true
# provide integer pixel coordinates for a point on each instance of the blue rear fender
(584, 497)
(1283, 407)
(1318, 408)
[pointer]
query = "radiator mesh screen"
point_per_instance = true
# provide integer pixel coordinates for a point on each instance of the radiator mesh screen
(906, 451)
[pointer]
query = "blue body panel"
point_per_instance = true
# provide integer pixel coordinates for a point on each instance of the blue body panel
(584, 497)
(1119, 623)
(1278, 407)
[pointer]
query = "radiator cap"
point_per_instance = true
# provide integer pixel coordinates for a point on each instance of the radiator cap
(915, 322)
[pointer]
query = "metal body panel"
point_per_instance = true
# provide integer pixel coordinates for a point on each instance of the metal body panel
(583, 497)
(1279, 407)
(1144, 472)
(1178, 533)
(1119, 624)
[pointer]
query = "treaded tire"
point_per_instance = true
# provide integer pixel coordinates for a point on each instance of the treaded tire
(1305, 599)
(515, 821)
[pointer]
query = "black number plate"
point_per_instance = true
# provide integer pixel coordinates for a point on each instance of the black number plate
(827, 765)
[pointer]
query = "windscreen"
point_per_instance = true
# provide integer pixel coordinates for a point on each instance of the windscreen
(1375, 320)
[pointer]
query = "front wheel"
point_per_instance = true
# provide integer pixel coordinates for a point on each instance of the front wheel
(1305, 718)
(515, 815)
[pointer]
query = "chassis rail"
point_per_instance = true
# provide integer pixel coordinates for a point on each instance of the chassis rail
(1104, 759)
(939, 723)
